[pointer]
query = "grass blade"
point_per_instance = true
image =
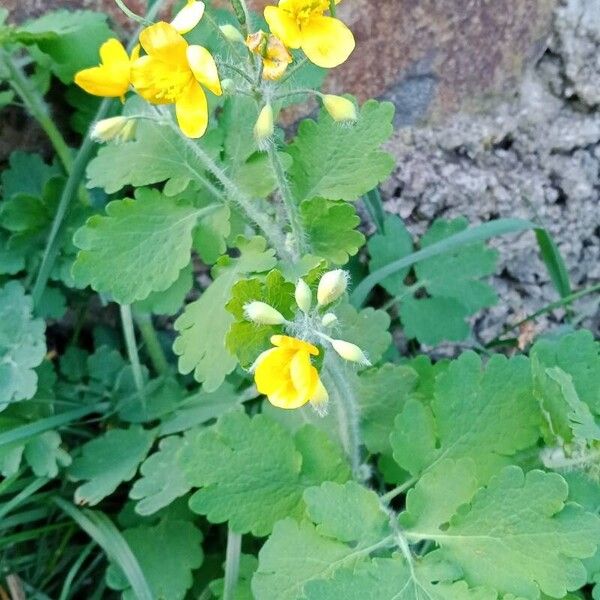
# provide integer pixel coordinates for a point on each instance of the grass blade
(469, 236)
(102, 530)
(554, 263)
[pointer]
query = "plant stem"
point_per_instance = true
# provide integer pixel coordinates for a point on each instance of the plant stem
(348, 413)
(139, 19)
(289, 202)
(37, 107)
(232, 563)
(389, 496)
(130, 344)
(152, 343)
(269, 229)
(291, 71)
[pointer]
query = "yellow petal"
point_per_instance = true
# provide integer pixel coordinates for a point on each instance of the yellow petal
(111, 82)
(272, 370)
(135, 53)
(302, 374)
(320, 395)
(191, 109)
(145, 72)
(290, 343)
(162, 41)
(287, 398)
(283, 26)
(188, 17)
(327, 42)
(204, 68)
(112, 51)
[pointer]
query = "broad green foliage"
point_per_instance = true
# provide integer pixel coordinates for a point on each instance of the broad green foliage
(167, 553)
(205, 323)
(452, 281)
(516, 535)
(487, 414)
(147, 241)
(22, 345)
(244, 466)
(108, 461)
(331, 229)
(342, 163)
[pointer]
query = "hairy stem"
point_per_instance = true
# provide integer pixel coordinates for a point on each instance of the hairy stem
(139, 19)
(131, 345)
(269, 229)
(389, 496)
(152, 343)
(348, 412)
(35, 104)
(232, 564)
(289, 202)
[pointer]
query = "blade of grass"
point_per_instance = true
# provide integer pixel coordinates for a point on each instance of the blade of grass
(554, 262)
(374, 206)
(15, 501)
(66, 588)
(103, 531)
(469, 236)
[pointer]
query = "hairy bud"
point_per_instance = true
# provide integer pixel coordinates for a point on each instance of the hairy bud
(303, 296)
(341, 109)
(263, 314)
(350, 352)
(332, 285)
(265, 125)
(328, 319)
(119, 129)
(232, 34)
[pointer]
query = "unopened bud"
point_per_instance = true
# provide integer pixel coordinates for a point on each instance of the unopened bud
(188, 17)
(328, 319)
(350, 352)
(332, 285)
(303, 296)
(263, 314)
(231, 33)
(265, 125)
(340, 109)
(119, 129)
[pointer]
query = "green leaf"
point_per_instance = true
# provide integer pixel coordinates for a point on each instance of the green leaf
(342, 162)
(157, 154)
(393, 579)
(451, 280)
(167, 554)
(107, 461)
(350, 524)
(245, 465)
(331, 229)
(163, 480)
(169, 301)
(139, 247)
(516, 536)
(44, 454)
(71, 38)
(27, 174)
(382, 394)
(368, 329)
(485, 414)
(246, 340)
(22, 345)
(580, 418)
(205, 323)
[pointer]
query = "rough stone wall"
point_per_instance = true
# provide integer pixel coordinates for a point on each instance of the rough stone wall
(535, 156)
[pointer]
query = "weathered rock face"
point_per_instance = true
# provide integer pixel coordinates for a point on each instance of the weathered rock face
(430, 57)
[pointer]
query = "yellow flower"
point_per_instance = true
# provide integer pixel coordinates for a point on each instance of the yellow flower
(111, 77)
(326, 41)
(274, 54)
(171, 73)
(286, 376)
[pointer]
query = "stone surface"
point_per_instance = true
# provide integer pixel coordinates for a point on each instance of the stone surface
(536, 156)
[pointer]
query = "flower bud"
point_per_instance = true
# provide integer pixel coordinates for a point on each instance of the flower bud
(350, 352)
(263, 314)
(119, 129)
(303, 296)
(265, 125)
(340, 109)
(188, 17)
(328, 319)
(231, 33)
(332, 285)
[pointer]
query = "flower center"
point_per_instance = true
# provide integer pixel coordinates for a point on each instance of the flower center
(304, 11)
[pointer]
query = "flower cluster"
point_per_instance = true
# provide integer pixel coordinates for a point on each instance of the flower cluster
(285, 373)
(171, 71)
